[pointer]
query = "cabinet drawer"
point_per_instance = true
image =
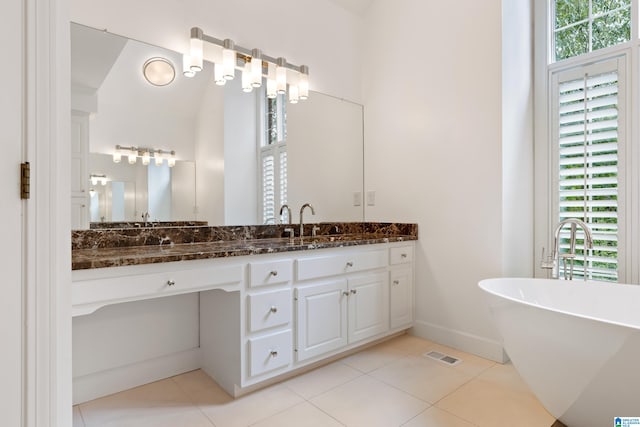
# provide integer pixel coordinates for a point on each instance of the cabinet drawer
(269, 273)
(269, 309)
(270, 352)
(90, 294)
(401, 255)
(315, 267)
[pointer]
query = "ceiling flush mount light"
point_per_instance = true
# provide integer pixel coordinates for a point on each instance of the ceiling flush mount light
(253, 63)
(158, 71)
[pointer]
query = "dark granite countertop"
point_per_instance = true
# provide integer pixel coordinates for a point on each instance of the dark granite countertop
(113, 248)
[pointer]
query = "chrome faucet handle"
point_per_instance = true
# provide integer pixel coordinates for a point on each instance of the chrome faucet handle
(547, 263)
(314, 231)
(292, 234)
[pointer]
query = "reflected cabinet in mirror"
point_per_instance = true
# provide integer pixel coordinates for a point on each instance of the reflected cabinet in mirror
(165, 147)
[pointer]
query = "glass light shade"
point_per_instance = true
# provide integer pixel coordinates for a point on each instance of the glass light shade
(132, 157)
(293, 94)
(272, 86)
(196, 54)
(303, 86)
(186, 66)
(117, 156)
(171, 161)
(218, 74)
(229, 63)
(246, 78)
(281, 80)
(103, 180)
(256, 72)
(158, 158)
(94, 180)
(146, 158)
(158, 71)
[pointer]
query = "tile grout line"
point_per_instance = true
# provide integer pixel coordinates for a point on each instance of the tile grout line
(193, 403)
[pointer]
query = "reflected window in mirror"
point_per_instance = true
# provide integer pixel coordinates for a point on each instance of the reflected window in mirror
(273, 158)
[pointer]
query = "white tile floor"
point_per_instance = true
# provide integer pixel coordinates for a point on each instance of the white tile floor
(388, 385)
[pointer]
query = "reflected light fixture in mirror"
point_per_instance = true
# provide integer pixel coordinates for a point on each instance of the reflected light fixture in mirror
(158, 71)
(95, 179)
(252, 62)
(145, 154)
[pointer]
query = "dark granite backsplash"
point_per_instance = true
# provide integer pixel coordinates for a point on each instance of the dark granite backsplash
(171, 235)
(147, 224)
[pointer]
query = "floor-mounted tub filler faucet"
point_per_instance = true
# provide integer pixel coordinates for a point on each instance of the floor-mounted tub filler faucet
(554, 263)
(313, 212)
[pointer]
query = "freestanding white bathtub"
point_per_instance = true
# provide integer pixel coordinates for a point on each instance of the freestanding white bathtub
(576, 344)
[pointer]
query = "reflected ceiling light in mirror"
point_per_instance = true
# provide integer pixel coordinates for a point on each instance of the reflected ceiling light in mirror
(133, 154)
(246, 78)
(157, 159)
(218, 75)
(117, 155)
(158, 71)
(146, 154)
(171, 161)
(229, 59)
(253, 64)
(98, 179)
(196, 50)
(293, 94)
(272, 87)
(281, 75)
(256, 68)
(303, 83)
(146, 157)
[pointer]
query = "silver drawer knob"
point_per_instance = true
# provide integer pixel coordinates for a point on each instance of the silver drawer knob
(273, 273)
(274, 353)
(170, 282)
(345, 293)
(354, 291)
(396, 282)
(403, 255)
(273, 309)
(349, 264)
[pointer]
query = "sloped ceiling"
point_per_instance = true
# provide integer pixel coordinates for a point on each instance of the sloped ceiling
(358, 7)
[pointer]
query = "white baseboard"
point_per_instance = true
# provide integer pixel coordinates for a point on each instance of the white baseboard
(92, 386)
(480, 346)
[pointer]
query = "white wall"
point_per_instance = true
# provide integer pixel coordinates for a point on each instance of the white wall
(433, 153)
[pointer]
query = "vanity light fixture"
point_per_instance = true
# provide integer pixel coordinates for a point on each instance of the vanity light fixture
(158, 71)
(145, 154)
(98, 179)
(253, 63)
(186, 66)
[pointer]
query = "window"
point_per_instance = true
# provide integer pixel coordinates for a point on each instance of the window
(582, 26)
(588, 105)
(273, 159)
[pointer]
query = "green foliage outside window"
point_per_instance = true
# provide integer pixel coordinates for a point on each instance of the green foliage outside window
(582, 26)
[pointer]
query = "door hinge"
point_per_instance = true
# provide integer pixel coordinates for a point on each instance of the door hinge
(25, 180)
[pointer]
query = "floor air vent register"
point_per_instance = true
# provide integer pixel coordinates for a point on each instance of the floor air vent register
(443, 358)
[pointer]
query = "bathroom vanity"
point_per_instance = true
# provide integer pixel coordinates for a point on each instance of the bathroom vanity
(268, 306)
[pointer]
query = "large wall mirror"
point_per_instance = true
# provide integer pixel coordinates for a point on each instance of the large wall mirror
(219, 135)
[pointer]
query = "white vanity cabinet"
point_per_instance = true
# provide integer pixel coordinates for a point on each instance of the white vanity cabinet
(260, 317)
(79, 172)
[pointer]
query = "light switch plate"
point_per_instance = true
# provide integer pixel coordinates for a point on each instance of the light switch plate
(357, 198)
(371, 198)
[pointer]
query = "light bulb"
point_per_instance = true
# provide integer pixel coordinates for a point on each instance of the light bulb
(218, 74)
(246, 78)
(272, 86)
(132, 156)
(171, 161)
(293, 94)
(281, 76)
(196, 50)
(186, 66)
(229, 59)
(146, 158)
(256, 68)
(303, 82)
(158, 157)
(117, 156)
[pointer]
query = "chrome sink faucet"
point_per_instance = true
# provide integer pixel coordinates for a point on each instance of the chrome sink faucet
(313, 212)
(285, 206)
(571, 255)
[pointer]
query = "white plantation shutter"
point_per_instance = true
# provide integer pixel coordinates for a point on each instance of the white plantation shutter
(588, 111)
(274, 181)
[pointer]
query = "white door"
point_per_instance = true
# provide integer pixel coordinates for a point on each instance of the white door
(321, 312)
(11, 107)
(368, 306)
(400, 298)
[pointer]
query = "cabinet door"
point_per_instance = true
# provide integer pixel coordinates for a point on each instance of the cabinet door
(321, 318)
(79, 213)
(79, 148)
(368, 306)
(401, 298)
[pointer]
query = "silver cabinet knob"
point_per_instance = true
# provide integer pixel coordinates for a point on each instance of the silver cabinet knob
(396, 282)
(170, 282)
(273, 309)
(273, 273)
(354, 291)
(345, 293)
(350, 264)
(274, 353)
(403, 255)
